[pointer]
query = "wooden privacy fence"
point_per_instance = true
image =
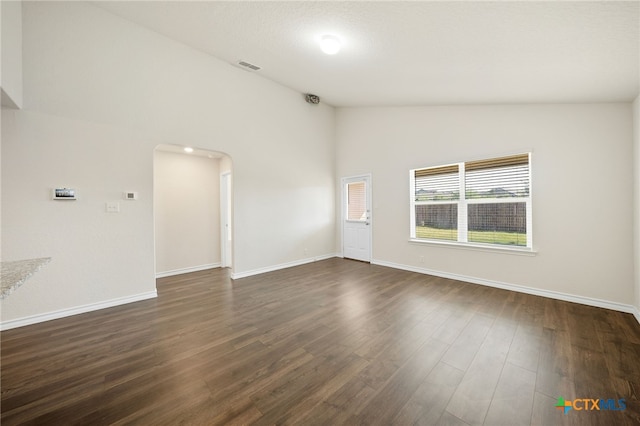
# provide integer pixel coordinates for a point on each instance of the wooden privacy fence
(504, 217)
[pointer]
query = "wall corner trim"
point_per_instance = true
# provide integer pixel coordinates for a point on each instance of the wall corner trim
(34, 319)
(599, 303)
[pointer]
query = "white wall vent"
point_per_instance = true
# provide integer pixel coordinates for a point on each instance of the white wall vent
(247, 66)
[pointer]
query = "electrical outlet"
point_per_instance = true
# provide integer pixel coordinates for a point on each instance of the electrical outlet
(421, 259)
(112, 207)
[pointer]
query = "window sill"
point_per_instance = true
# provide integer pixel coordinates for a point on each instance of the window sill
(518, 251)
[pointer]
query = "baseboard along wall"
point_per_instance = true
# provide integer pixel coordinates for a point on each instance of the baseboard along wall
(21, 322)
(34, 319)
(187, 270)
(630, 309)
(245, 274)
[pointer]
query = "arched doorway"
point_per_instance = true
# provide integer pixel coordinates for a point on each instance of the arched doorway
(192, 210)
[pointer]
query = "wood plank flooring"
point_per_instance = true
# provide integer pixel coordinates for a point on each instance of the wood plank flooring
(329, 343)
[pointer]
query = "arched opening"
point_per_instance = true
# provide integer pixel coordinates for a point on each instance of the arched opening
(192, 204)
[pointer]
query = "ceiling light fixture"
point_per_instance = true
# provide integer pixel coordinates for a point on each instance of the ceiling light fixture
(188, 149)
(330, 44)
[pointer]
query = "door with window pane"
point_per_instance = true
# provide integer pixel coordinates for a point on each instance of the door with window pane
(356, 224)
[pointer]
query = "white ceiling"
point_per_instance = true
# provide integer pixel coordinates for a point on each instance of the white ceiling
(418, 53)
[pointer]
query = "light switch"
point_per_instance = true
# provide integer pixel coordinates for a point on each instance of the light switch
(113, 207)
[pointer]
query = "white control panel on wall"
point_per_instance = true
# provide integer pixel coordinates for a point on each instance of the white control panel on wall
(130, 195)
(63, 194)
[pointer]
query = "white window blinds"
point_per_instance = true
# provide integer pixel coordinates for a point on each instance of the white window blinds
(437, 183)
(482, 201)
(506, 177)
(356, 201)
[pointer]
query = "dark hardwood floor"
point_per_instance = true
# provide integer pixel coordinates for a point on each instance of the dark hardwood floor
(329, 343)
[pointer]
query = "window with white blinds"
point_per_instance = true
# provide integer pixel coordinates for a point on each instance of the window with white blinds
(479, 202)
(356, 201)
(438, 183)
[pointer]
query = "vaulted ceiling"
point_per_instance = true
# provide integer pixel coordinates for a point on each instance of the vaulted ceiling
(417, 53)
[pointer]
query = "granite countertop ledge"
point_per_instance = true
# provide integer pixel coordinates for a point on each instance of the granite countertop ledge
(14, 273)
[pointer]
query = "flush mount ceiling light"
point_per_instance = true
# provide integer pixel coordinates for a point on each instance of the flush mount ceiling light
(330, 44)
(188, 149)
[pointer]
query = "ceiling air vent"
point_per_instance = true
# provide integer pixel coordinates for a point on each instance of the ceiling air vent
(247, 66)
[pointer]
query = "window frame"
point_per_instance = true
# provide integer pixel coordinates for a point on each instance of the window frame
(462, 210)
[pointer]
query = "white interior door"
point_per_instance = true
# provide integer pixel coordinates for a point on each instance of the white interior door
(356, 218)
(225, 220)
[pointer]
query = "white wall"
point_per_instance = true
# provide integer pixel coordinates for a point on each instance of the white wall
(582, 178)
(1, 137)
(11, 42)
(97, 257)
(99, 94)
(225, 165)
(187, 212)
(636, 209)
(10, 65)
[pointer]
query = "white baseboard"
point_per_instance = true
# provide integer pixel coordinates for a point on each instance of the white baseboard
(636, 313)
(630, 309)
(21, 322)
(187, 270)
(238, 275)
